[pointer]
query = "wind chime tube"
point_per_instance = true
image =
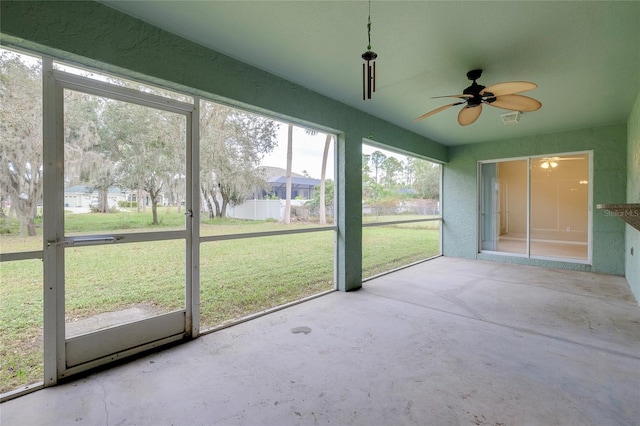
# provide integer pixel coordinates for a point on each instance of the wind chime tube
(368, 80)
(363, 79)
(374, 76)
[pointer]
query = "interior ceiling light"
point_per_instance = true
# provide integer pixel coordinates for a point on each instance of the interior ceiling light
(369, 67)
(547, 164)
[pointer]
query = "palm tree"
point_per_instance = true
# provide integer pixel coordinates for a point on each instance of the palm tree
(323, 174)
(327, 144)
(287, 205)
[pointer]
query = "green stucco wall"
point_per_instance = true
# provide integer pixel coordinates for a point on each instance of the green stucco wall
(93, 34)
(460, 193)
(632, 236)
(97, 35)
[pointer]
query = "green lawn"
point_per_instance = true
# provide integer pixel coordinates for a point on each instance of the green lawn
(238, 277)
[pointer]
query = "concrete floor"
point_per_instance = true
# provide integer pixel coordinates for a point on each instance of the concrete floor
(447, 342)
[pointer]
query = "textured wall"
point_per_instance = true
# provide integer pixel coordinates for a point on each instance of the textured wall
(460, 193)
(93, 34)
(632, 262)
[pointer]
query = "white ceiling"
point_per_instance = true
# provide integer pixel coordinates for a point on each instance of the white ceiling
(584, 56)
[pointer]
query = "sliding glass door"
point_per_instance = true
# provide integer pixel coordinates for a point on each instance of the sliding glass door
(537, 207)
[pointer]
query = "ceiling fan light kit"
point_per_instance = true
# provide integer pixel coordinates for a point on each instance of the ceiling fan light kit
(500, 95)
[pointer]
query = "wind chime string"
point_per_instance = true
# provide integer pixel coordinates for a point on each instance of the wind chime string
(369, 67)
(369, 30)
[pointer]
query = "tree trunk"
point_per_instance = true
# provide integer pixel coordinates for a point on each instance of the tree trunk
(223, 209)
(103, 200)
(287, 205)
(154, 211)
(207, 200)
(139, 200)
(2, 213)
(212, 212)
(26, 216)
(154, 207)
(224, 194)
(217, 204)
(323, 175)
(31, 228)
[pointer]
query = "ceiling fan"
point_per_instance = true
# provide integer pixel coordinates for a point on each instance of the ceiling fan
(501, 95)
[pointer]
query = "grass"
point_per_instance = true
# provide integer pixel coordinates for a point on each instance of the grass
(237, 277)
(389, 247)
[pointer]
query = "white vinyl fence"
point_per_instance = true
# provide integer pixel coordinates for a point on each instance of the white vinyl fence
(258, 210)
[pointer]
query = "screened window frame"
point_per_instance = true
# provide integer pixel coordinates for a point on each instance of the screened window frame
(98, 87)
(406, 221)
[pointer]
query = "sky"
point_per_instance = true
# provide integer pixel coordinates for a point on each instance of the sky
(308, 151)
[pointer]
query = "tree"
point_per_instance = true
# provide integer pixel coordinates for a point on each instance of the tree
(323, 175)
(427, 179)
(87, 158)
(146, 145)
(232, 144)
(377, 158)
(392, 167)
(367, 180)
(409, 170)
(21, 162)
(316, 201)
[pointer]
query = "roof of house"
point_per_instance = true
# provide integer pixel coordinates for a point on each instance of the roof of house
(299, 181)
(278, 176)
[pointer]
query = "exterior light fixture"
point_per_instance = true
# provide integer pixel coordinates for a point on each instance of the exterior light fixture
(369, 66)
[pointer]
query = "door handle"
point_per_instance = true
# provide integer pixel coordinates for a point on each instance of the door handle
(90, 240)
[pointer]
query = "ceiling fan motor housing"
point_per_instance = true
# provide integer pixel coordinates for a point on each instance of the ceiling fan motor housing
(474, 74)
(474, 90)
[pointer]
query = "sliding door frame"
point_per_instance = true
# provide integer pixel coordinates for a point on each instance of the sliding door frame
(528, 254)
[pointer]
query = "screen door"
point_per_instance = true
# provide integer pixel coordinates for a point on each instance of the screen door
(123, 255)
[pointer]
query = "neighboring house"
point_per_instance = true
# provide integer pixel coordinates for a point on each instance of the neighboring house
(301, 187)
(82, 196)
(269, 203)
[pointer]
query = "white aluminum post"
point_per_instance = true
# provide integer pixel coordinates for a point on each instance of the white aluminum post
(53, 224)
(193, 220)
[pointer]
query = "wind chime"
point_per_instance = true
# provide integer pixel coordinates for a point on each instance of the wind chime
(369, 67)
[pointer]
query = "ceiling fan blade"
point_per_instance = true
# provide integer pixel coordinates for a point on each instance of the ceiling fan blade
(437, 110)
(509, 88)
(468, 115)
(453, 96)
(516, 103)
